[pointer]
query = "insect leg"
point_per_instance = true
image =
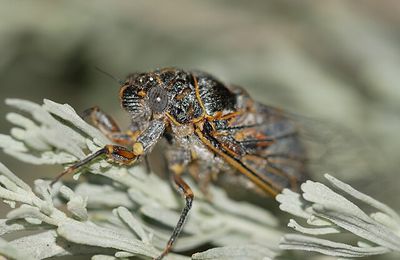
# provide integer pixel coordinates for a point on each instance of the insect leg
(101, 120)
(120, 154)
(186, 191)
(203, 174)
(116, 153)
(107, 125)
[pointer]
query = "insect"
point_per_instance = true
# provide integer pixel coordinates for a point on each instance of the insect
(210, 127)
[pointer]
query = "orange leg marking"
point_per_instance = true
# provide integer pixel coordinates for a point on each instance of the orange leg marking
(115, 153)
(187, 193)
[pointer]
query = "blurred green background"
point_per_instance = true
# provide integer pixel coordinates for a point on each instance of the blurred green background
(337, 61)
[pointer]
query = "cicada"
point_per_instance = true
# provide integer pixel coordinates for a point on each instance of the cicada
(209, 126)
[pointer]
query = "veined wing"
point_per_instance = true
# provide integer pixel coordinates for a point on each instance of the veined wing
(333, 147)
(261, 143)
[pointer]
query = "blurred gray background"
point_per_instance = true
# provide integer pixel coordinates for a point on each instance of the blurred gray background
(335, 61)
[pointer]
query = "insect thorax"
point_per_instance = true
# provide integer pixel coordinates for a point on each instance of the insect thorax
(189, 94)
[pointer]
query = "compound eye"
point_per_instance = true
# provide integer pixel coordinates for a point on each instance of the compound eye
(158, 99)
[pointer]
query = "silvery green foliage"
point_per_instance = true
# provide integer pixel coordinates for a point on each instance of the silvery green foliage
(121, 216)
(327, 211)
(124, 212)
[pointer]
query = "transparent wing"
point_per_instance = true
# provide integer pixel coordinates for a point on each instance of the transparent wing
(333, 148)
(267, 143)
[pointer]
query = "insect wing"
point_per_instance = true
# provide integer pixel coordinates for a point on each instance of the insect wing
(336, 149)
(265, 144)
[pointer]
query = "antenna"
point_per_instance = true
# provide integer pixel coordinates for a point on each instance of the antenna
(121, 82)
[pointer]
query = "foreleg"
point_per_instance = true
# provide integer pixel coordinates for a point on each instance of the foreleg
(116, 153)
(107, 125)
